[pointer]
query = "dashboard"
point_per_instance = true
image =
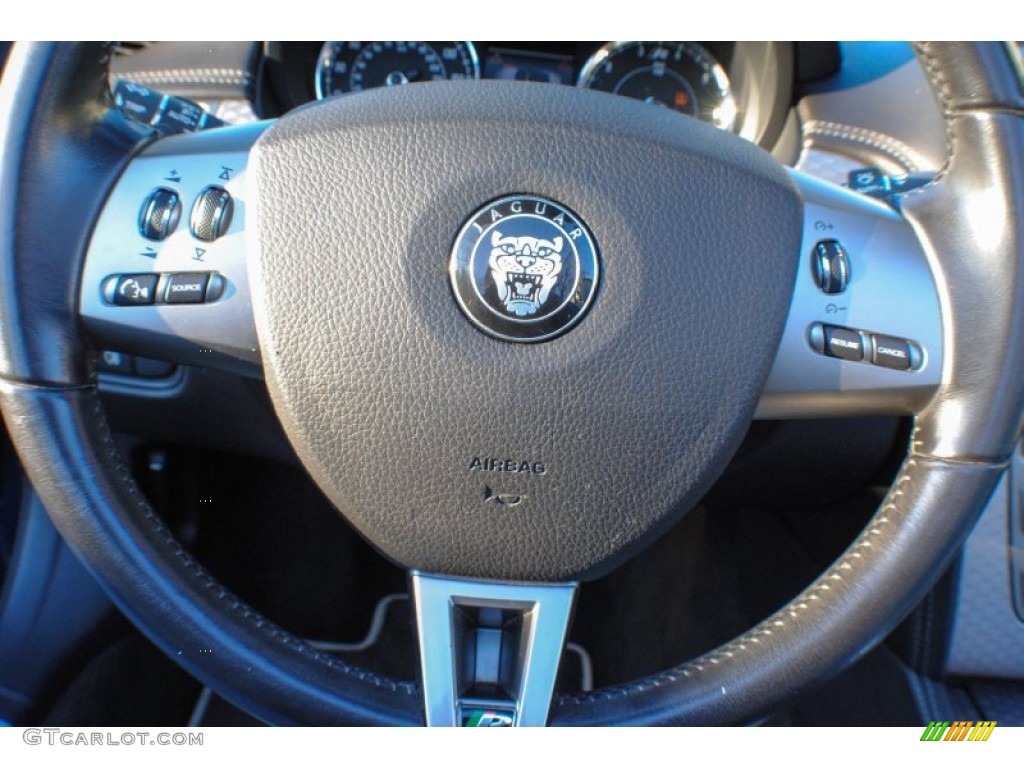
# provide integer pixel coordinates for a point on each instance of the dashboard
(745, 87)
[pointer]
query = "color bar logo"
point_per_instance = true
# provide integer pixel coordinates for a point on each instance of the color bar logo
(482, 718)
(958, 730)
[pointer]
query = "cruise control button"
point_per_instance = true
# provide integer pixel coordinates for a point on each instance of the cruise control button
(135, 290)
(186, 288)
(831, 266)
(891, 352)
(843, 343)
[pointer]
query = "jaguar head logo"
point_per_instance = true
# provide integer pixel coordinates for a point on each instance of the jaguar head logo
(524, 270)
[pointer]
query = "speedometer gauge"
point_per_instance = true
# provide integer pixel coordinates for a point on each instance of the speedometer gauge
(345, 67)
(679, 76)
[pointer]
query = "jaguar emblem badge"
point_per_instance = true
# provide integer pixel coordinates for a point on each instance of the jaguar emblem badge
(524, 268)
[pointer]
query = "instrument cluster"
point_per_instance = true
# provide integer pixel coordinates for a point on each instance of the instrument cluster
(745, 87)
(686, 77)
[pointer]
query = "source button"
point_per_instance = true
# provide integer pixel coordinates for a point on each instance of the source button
(186, 288)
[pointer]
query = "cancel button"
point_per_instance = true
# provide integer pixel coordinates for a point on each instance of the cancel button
(186, 288)
(891, 352)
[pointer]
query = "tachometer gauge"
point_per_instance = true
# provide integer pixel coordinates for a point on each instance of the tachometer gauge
(679, 76)
(345, 67)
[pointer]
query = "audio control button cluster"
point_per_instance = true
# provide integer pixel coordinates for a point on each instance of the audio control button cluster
(209, 220)
(163, 288)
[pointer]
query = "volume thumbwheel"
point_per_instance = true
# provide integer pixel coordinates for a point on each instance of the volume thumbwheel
(159, 214)
(211, 214)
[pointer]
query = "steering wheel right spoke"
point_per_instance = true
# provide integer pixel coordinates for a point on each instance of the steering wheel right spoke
(864, 332)
(165, 274)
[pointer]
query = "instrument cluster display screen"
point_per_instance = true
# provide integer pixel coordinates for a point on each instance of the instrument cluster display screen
(504, 64)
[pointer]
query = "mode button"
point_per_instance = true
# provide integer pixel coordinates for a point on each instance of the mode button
(186, 288)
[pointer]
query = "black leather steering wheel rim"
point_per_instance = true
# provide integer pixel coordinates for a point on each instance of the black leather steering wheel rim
(63, 148)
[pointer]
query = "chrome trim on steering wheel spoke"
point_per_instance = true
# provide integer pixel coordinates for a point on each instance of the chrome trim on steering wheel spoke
(489, 652)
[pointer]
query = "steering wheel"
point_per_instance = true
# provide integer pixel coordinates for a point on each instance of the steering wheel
(351, 253)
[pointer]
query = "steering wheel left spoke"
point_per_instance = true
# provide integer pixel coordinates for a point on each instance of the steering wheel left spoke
(489, 651)
(165, 274)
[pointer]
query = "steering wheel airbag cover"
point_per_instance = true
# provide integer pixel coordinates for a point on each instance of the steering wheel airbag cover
(400, 408)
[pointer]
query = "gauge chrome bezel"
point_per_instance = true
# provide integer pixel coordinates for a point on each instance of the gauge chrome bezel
(718, 72)
(325, 50)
